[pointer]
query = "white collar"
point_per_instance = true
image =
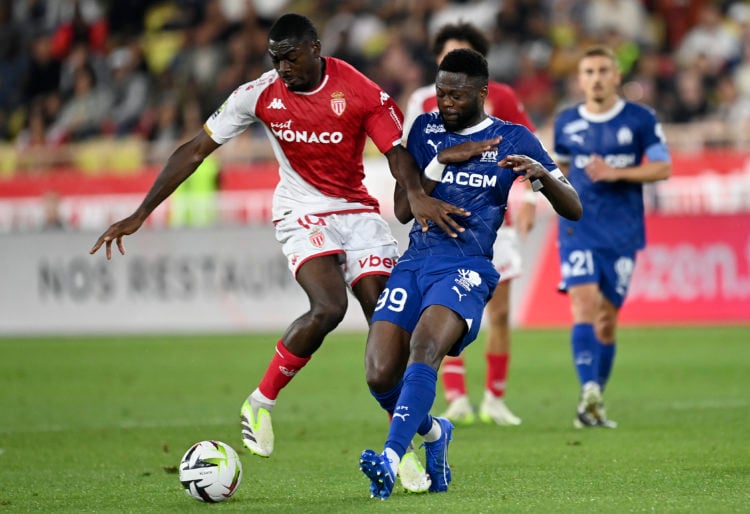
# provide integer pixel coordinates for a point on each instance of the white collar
(602, 116)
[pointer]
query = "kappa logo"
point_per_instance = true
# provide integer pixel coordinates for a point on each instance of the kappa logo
(276, 103)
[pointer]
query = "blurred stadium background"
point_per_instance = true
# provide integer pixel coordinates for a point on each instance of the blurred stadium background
(95, 94)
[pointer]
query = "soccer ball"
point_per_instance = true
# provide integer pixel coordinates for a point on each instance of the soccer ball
(210, 471)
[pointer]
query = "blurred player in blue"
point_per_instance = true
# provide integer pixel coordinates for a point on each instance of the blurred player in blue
(433, 302)
(607, 147)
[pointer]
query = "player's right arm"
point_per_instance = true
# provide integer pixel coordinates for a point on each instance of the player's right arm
(401, 207)
(180, 165)
(451, 155)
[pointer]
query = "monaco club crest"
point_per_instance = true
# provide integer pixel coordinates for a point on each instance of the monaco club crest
(338, 103)
(317, 238)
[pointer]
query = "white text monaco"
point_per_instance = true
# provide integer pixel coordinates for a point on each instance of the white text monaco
(469, 179)
(303, 136)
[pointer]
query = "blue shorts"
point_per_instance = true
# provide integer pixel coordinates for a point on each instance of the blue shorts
(610, 270)
(464, 285)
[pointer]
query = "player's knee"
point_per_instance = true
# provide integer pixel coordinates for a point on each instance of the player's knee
(327, 315)
(380, 377)
(605, 329)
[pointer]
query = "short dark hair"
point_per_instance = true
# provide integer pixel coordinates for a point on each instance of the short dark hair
(293, 26)
(465, 60)
(462, 32)
(600, 51)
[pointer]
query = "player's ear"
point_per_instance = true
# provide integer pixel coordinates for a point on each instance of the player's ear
(315, 45)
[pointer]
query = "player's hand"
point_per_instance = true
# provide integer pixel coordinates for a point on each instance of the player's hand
(525, 166)
(466, 150)
(600, 171)
(115, 232)
(426, 208)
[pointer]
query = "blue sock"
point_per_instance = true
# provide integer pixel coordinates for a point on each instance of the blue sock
(413, 407)
(388, 399)
(606, 359)
(585, 351)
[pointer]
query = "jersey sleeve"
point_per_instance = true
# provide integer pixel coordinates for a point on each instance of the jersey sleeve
(384, 121)
(237, 112)
(416, 145)
(654, 140)
(530, 145)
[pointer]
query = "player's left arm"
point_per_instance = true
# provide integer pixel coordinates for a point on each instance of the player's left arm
(532, 161)
(552, 184)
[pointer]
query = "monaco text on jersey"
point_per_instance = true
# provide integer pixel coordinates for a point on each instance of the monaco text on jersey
(304, 136)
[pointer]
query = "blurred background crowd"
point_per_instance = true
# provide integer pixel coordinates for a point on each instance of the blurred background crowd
(116, 84)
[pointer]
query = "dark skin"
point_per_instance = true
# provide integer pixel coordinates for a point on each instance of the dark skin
(300, 66)
(390, 348)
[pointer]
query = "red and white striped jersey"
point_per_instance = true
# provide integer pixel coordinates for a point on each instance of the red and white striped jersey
(317, 136)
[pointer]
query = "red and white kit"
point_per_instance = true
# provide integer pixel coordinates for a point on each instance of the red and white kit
(318, 137)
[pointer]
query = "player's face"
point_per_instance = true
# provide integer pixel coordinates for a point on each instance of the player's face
(460, 100)
(598, 77)
(297, 62)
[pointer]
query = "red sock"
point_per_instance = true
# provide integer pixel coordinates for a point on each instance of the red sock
(497, 372)
(281, 371)
(454, 378)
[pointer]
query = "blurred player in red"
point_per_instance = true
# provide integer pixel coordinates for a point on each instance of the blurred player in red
(501, 103)
(317, 112)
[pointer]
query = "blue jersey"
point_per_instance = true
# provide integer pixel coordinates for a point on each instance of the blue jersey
(478, 185)
(612, 211)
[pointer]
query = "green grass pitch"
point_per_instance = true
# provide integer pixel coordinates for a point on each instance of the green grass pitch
(99, 425)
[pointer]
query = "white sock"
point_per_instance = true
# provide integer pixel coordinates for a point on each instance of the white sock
(393, 459)
(435, 432)
(259, 398)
